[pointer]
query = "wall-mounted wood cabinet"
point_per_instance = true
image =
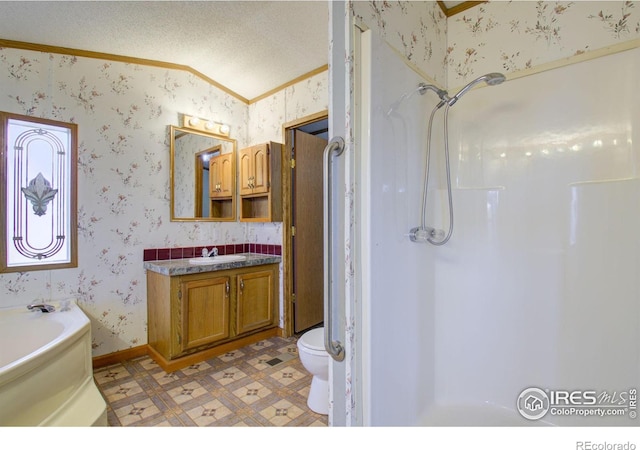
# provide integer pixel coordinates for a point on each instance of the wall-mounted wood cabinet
(260, 183)
(196, 316)
(222, 181)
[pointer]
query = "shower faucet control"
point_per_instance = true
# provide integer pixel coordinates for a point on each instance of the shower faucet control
(427, 234)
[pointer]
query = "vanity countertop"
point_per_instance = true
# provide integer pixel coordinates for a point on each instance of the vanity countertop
(175, 267)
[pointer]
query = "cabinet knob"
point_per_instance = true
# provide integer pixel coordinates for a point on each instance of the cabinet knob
(241, 284)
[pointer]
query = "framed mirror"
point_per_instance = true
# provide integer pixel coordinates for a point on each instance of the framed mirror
(38, 193)
(203, 174)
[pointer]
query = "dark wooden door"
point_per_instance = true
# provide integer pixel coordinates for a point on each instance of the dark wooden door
(308, 222)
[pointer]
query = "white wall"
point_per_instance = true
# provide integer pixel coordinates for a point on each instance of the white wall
(399, 291)
(538, 286)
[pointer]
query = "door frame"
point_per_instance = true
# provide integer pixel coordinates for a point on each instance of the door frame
(287, 251)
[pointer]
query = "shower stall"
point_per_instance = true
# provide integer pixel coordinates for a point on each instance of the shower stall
(533, 304)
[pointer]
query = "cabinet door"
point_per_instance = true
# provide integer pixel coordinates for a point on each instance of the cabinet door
(214, 177)
(221, 176)
(227, 175)
(205, 312)
(260, 181)
(256, 302)
(246, 169)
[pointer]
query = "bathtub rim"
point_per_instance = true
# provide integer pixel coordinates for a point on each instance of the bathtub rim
(84, 405)
(47, 352)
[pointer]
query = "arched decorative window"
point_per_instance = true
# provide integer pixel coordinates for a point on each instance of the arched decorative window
(39, 193)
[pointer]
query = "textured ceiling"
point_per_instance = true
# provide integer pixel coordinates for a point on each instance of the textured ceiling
(250, 47)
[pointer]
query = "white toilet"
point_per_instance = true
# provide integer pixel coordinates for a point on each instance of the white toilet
(315, 359)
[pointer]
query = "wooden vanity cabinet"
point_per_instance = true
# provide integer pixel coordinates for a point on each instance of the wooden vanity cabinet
(197, 316)
(260, 184)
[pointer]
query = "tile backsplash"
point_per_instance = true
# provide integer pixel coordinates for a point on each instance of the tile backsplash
(156, 254)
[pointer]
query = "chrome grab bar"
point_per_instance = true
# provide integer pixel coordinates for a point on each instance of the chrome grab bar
(333, 347)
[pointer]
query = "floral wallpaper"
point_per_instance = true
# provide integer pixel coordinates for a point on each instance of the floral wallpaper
(300, 100)
(511, 36)
(123, 112)
(416, 29)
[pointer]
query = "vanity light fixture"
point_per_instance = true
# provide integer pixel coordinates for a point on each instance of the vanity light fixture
(209, 126)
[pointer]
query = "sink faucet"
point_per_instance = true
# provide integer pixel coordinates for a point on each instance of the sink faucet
(42, 307)
(206, 253)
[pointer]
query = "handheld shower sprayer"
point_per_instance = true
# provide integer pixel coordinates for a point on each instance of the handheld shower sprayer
(425, 233)
(492, 79)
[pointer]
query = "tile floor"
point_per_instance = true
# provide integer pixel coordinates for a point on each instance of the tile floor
(261, 385)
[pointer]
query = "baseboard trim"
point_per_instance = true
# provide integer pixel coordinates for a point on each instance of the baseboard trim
(120, 356)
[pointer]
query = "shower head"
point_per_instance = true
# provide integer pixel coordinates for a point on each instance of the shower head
(491, 79)
(494, 78)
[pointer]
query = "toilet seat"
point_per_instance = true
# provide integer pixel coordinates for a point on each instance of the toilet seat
(313, 341)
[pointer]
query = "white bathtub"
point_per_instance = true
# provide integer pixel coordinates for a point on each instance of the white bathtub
(46, 375)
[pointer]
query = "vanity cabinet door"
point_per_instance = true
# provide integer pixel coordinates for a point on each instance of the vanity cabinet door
(205, 312)
(256, 299)
(221, 176)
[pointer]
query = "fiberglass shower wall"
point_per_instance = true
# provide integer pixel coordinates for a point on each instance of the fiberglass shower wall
(399, 279)
(539, 284)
